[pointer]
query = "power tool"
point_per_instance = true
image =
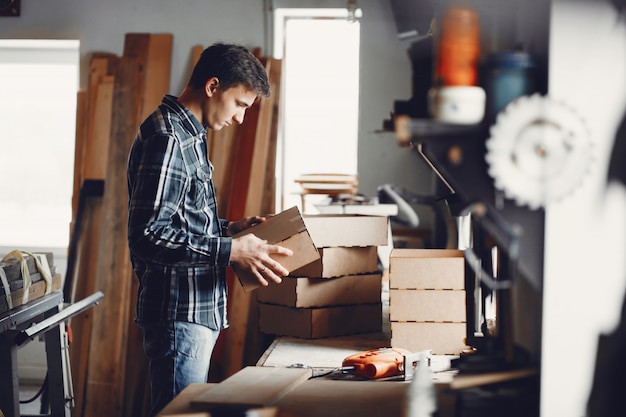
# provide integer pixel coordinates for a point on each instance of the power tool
(384, 362)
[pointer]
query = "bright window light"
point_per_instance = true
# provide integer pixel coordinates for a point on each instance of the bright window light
(320, 96)
(37, 136)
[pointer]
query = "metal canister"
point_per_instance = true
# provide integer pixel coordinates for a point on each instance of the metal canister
(510, 76)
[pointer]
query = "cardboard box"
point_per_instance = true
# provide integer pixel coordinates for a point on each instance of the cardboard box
(341, 261)
(442, 338)
(427, 305)
(330, 230)
(442, 269)
(285, 229)
(314, 323)
(319, 292)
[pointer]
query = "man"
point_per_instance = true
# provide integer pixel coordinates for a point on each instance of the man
(179, 247)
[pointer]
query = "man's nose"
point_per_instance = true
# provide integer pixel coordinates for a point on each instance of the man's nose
(239, 116)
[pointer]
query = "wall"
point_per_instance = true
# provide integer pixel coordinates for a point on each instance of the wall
(385, 76)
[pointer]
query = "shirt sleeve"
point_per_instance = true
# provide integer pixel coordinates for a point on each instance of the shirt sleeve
(162, 225)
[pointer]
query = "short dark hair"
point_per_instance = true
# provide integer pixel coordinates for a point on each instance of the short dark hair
(232, 64)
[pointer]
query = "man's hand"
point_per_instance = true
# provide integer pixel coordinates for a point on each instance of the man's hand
(238, 226)
(253, 254)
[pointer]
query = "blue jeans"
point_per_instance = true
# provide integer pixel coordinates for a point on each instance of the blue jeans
(179, 354)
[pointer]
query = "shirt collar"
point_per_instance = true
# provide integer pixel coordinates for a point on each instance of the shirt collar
(172, 102)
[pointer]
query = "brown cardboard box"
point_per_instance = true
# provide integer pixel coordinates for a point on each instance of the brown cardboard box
(341, 261)
(285, 229)
(314, 323)
(427, 269)
(427, 305)
(332, 230)
(318, 292)
(442, 338)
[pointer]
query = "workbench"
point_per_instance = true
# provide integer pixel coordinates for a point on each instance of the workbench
(325, 394)
(329, 395)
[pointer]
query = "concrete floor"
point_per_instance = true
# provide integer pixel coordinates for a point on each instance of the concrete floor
(27, 392)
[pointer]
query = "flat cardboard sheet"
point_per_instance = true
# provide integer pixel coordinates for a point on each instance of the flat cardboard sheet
(252, 387)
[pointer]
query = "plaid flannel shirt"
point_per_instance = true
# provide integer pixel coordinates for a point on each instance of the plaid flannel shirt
(178, 245)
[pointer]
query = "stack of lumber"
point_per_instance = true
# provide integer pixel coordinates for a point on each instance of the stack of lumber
(109, 368)
(17, 289)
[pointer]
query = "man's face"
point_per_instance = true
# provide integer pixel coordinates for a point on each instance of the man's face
(226, 107)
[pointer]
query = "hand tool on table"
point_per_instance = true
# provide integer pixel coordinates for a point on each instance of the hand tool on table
(386, 362)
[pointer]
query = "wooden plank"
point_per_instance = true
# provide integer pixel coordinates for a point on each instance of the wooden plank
(465, 381)
(79, 149)
(105, 383)
(84, 284)
(98, 122)
(154, 52)
(116, 372)
(12, 267)
(97, 145)
(337, 398)
(221, 146)
(36, 290)
(240, 174)
(180, 406)
(269, 200)
(253, 386)
(256, 341)
(242, 166)
(256, 182)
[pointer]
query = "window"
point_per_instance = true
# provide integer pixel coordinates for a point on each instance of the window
(320, 93)
(37, 136)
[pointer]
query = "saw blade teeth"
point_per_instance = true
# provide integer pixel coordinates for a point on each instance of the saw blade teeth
(529, 136)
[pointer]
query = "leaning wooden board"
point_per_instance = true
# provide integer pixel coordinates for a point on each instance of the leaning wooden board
(252, 387)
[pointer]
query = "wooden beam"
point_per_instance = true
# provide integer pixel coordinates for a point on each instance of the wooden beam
(86, 269)
(99, 102)
(105, 382)
(155, 56)
(79, 149)
(141, 78)
(258, 171)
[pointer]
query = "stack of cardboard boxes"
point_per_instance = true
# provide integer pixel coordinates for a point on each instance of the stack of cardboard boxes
(427, 300)
(337, 294)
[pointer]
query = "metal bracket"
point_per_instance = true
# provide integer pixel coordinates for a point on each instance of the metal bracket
(413, 360)
(63, 315)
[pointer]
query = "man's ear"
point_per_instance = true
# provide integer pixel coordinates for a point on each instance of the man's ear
(211, 86)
